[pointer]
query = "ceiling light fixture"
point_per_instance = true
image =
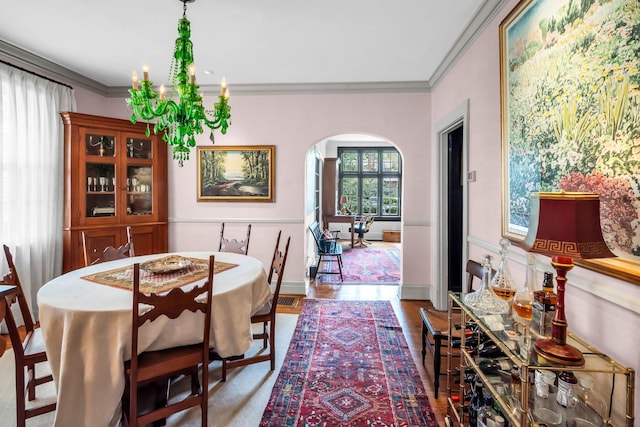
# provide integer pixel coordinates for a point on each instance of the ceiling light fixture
(183, 118)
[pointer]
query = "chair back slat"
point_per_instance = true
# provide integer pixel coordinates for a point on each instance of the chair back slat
(172, 304)
(233, 245)
(109, 253)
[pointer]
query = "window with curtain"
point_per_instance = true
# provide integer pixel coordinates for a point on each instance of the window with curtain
(371, 180)
(31, 175)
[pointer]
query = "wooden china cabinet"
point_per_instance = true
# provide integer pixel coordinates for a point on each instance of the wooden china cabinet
(115, 177)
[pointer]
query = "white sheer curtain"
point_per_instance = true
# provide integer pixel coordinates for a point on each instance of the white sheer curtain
(31, 175)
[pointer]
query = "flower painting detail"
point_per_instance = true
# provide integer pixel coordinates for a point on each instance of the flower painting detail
(571, 111)
(235, 173)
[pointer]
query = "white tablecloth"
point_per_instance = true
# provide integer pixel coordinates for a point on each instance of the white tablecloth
(87, 331)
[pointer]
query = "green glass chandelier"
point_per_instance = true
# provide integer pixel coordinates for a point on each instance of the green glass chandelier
(182, 118)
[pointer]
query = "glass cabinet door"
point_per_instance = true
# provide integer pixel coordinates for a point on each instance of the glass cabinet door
(139, 175)
(139, 148)
(139, 190)
(100, 145)
(100, 151)
(101, 189)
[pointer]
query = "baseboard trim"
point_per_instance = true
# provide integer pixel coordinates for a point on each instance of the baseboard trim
(415, 292)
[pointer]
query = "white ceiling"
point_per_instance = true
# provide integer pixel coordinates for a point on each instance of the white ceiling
(248, 41)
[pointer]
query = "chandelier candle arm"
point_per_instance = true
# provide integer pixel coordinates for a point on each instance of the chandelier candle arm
(182, 118)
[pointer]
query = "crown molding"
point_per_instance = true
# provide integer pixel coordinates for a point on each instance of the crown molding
(483, 16)
(302, 88)
(38, 64)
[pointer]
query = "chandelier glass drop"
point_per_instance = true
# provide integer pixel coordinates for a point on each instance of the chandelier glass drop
(184, 117)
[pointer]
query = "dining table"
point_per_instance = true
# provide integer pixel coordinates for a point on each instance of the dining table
(86, 320)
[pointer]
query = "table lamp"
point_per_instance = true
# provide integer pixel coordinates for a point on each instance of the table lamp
(564, 226)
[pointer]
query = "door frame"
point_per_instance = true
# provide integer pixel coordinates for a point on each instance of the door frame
(455, 118)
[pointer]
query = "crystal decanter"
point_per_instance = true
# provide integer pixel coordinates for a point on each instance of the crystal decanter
(484, 301)
(502, 283)
(523, 300)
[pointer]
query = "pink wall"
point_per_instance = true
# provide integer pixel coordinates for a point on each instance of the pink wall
(600, 309)
(294, 124)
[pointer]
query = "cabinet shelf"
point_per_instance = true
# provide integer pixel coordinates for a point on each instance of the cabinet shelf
(517, 409)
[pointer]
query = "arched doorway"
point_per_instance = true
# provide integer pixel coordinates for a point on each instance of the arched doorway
(385, 220)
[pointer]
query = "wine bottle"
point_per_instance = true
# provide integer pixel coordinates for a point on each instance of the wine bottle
(491, 366)
(489, 349)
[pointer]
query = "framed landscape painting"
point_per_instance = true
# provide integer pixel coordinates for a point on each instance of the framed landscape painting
(236, 174)
(570, 116)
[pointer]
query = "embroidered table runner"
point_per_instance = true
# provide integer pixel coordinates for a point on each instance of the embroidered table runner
(156, 283)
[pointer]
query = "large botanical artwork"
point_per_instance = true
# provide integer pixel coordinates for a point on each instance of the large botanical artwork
(236, 174)
(571, 115)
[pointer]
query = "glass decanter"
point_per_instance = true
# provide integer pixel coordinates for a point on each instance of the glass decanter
(484, 301)
(523, 300)
(502, 283)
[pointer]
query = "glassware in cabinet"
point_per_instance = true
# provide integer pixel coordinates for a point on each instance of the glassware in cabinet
(101, 189)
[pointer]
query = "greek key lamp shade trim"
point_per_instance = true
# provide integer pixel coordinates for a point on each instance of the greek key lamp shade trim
(566, 224)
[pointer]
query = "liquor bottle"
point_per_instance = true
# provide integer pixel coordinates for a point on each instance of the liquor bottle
(567, 384)
(476, 402)
(544, 306)
(523, 300)
(586, 405)
(484, 301)
(502, 283)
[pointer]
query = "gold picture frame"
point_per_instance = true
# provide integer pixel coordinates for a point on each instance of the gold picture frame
(236, 173)
(570, 104)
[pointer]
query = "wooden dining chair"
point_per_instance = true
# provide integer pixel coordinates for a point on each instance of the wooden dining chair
(27, 352)
(158, 367)
(266, 316)
(435, 326)
(109, 253)
(233, 245)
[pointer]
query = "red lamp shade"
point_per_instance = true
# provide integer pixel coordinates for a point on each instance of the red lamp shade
(566, 224)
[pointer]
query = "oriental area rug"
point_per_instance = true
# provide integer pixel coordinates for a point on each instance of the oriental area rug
(379, 266)
(348, 364)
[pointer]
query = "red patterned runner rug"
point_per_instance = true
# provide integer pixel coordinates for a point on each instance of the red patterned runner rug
(348, 364)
